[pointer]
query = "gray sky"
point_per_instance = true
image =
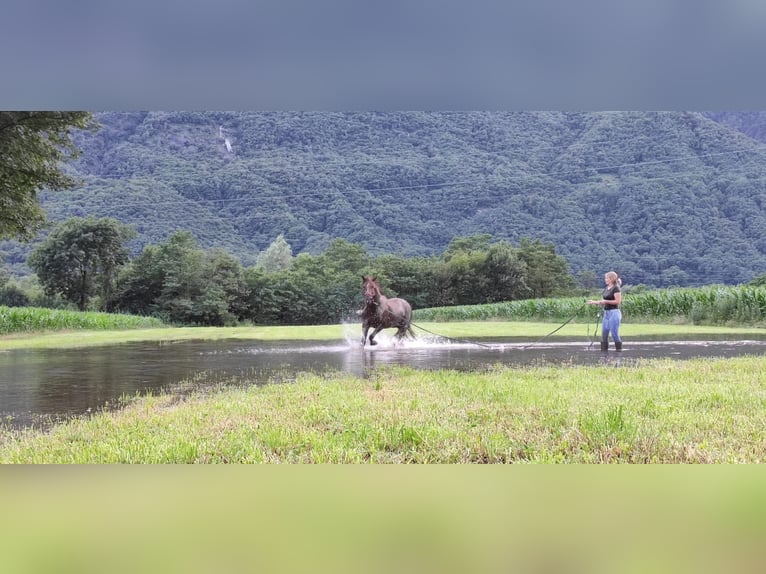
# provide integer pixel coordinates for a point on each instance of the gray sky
(352, 54)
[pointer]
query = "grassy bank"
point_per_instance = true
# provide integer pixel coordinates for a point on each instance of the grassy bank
(715, 310)
(699, 411)
(458, 329)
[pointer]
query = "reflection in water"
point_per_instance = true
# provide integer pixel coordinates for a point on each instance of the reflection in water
(54, 384)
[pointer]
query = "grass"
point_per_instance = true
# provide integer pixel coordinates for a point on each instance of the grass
(699, 411)
(461, 329)
(656, 412)
(86, 338)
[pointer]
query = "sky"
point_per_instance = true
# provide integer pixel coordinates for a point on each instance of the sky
(393, 55)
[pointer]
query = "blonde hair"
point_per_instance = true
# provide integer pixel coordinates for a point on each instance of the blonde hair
(614, 279)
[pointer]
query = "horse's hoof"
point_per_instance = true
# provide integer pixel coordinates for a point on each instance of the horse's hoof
(373, 342)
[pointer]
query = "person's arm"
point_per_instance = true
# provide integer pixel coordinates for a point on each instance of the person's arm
(617, 300)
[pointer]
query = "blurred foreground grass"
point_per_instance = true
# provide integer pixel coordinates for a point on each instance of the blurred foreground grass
(381, 519)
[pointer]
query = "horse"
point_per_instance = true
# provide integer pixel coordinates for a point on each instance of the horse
(380, 312)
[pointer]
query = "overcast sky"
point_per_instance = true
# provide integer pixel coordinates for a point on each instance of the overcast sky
(383, 55)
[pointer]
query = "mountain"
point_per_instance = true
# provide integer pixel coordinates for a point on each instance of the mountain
(752, 124)
(664, 198)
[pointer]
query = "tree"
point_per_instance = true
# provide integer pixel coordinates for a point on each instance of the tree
(80, 259)
(409, 278)
(548, 274)
(184, 284)
(262, 297)
(472, 243)
(673, 277)
(139, 283)
(506, 274)
(10, 293)
(277, 257)
(180, 267)
(343, 255)
(587, 280)
(462, 278)
(225, 271)
(473, 271)
(32, 147)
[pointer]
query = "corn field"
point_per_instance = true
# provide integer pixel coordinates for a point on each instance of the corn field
(698, 305)
(32, 319)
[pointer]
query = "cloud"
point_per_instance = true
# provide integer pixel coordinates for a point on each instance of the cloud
(398, 55)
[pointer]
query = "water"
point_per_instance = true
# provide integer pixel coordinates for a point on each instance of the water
(42, 386)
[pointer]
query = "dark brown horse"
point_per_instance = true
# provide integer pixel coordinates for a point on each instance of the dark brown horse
(380, 312)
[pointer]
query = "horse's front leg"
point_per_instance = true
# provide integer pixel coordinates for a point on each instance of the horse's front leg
(375, 332)
(365, 329)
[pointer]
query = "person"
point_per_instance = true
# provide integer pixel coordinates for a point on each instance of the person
(610, 300)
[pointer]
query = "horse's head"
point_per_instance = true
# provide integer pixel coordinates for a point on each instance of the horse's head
(371, 289)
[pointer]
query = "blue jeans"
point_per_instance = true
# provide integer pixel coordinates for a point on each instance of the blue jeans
(611, 324)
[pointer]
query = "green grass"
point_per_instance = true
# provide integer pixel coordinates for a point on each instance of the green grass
(699, 411)
(462, 329)
(714, 310)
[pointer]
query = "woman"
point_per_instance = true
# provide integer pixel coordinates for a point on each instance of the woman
(611, 300)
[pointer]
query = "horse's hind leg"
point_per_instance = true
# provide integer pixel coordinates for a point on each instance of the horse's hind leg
(404, 332)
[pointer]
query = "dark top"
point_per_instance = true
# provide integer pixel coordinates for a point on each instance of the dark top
(609, 296)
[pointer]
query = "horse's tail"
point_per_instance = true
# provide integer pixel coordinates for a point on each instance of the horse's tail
(409, 321)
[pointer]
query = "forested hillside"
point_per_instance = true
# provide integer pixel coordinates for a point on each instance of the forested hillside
(664, 198)
(752, 124)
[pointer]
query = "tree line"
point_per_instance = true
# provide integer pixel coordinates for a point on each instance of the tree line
(84, 264)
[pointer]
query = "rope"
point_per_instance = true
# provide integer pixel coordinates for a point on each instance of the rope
(598, 318)
(599, 314)
(557, 328)
(451, 338)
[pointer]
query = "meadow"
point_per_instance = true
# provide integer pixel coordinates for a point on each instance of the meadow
(665, 411)
(657, 411)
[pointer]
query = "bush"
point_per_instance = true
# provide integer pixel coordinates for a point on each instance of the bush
(12, 296)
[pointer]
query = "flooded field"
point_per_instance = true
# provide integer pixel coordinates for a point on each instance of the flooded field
(38, 387)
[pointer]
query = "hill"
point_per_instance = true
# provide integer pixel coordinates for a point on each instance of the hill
(752, 124)
(664, 198)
